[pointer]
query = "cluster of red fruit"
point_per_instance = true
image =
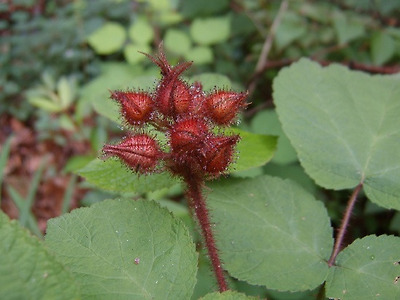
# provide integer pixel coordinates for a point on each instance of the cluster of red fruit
(187, 116)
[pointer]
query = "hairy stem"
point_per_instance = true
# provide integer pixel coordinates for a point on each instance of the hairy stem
(198, 204)
(344, 225)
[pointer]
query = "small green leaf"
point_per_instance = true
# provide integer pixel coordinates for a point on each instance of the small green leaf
(65, 90)
(114, 76)
(382, 47)
(28, 270)
(271, 232)
(254, 150)
(4, 154)
(211, 81)
(45, 104)
(77, 162)
(108, 39)
(267, 122)
(200, 55)
(111, 175)
(228, 295)
(345, 127)
(132, 54)
(124, 249)
(141, 32)
(210, 31)
(66, 123)
(291, 28)
(192, 9)
(177, 41)
(48, 80)
(347, 27)
(367, 269)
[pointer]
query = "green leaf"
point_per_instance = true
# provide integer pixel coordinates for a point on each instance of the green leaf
(228, 295)
(254, 149)
(45, 104)
(200, 55)
(132, 54)
(347, 27)
(124, 249)
(66, 92)
(192, 9)
(111, 175)
(177, 41)
(5, 152)
(345, 127)
(271, 232)
(108, 39)
(267, 122)
(294, 172)
(141, 32)
(211, 81)
(210, 31)
(114, 76)
(291, 28)
(382, 47)
(367, 269)
(28, 270)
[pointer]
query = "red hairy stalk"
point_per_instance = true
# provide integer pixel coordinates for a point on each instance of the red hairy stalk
(188, 117)
(198, 204)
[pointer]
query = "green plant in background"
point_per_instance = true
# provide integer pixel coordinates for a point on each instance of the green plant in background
(338, 133)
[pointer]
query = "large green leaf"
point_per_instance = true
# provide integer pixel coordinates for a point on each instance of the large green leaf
(28, 270)
(367, 269)
(271, 232)
(228, 295)
(345, 127)
(124, 249)
(111, 175)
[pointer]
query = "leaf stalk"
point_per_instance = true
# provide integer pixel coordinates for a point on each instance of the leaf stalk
(345, 223)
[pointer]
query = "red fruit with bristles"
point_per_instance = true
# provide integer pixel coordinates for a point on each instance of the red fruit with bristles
(223, 106)
(198, 97)
(218, 153)
(139, 152)
(187, 135)
(173, 96)
(136, 107)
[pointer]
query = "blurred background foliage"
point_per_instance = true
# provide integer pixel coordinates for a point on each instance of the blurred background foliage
(60, 58)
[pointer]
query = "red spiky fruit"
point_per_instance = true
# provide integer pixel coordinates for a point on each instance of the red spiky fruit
(173, 96)
(218, 153)
(223, 106)
(136, 107)
(140, 152)
(187, 135)
(198, 96)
